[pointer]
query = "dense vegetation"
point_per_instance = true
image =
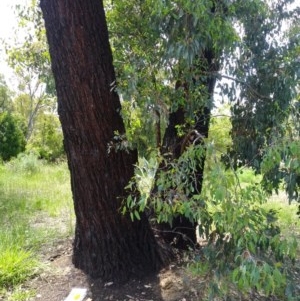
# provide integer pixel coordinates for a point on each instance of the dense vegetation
(210, 99)
(250, 51)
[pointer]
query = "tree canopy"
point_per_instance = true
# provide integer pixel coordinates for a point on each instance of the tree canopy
(256, 45)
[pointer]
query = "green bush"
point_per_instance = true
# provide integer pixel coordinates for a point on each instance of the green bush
(27, 163)
(12, 139)
(47, 138)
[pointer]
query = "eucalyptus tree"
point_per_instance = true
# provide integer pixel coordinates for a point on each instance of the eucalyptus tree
(267, 75)
(107, 244)
(5, 96)
(29, 58)
(166, 56)
(196, 44)
(169, 57)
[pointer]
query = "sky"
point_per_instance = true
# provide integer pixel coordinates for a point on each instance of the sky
(8, 23)
(7, 18)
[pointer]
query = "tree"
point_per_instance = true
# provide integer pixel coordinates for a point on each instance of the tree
(29, 58)
(267, 73)
(175, 78)
(5, 96)
(192, 45)
(250, 49)
(107, 244)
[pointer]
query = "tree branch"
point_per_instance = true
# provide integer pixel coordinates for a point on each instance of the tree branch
(252, 90)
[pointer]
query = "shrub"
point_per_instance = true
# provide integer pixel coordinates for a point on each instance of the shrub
(12, 139)
(26, 163)
(47, 138)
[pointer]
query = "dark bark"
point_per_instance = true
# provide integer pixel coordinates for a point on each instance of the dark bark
(157, 128)
(107, 244)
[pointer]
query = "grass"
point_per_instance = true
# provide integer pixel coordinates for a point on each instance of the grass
(248, 176)
(16, 266)
(288, 220)
(20, 294)
(33, 196)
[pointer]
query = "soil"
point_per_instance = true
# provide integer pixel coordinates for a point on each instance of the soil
(173, 283)
(60, 276)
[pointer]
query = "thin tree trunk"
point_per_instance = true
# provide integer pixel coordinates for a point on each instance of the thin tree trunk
(182, 232)
(107, 244)
(157, 127)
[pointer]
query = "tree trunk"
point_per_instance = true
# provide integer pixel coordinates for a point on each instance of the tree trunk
(107, 244)
(182, 233)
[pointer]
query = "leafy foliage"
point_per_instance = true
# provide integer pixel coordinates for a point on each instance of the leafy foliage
(47, 139)
(243, 245)
(5, 96)
(12, 140)
(258, 55)
(281, 165)
(267, 74)
(147, 75)
(35, 102)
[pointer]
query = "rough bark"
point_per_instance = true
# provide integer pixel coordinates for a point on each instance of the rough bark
(107, 244)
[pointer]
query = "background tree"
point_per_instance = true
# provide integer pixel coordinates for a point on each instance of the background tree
(31, 64)
(107, 244)
(12, 130)
(35, 95)
(5, 96)
(267, 70)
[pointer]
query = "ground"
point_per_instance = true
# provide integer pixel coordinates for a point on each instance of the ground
(173, 283)
(60, 276)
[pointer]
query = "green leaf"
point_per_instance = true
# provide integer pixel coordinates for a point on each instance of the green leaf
(137, 215)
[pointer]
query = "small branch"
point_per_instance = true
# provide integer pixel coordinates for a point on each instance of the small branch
(184, 236)
(252, 90)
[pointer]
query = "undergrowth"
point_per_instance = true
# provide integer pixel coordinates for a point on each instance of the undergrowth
(250, 249)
